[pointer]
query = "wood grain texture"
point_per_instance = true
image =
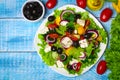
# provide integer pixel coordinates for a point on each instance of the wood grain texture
(8, 10)
(18, 34)
(18, 57)
(28, 66)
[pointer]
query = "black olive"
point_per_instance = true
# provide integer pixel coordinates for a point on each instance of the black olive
(76, 44)
(51, 18)
(59, 50)
(70, 30)
(32, 10)
(53, 48)
(88, 35)
(63, 57)
(69, 67)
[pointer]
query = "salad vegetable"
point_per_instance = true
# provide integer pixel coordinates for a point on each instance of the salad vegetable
(73, 40)
(112, 55)
(95, 4)
(115, 4)
(51, 4)
(106, 14)
(81, 3)
(101, 67)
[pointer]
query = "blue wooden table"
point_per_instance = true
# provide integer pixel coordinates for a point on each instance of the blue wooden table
(18, 57)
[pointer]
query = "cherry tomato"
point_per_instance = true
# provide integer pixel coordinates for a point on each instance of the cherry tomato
(74, 38)
(101, 67)
(81, 3)
(82, 37)
(51, 4)
(106, 14)
(52, 26)
(53, 35)
(76, 66)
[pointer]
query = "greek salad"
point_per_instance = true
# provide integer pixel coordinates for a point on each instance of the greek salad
(70, 40)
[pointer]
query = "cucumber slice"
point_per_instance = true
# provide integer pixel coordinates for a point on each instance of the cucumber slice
(55, 55)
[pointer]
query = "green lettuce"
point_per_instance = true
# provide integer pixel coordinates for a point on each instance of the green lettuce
(112, 54)
(47, 57)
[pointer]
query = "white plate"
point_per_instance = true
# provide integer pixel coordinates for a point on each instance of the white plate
(62, 70)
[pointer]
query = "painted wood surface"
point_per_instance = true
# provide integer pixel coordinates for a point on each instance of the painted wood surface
(18, 57)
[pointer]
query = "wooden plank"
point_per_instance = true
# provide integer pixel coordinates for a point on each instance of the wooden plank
(29, 66)
(18, 34)
(8, 10)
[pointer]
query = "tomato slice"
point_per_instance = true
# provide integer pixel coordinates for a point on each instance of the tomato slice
(52, 26)
(82, 37)
(53, 35)
(78, 66)
(74, 38)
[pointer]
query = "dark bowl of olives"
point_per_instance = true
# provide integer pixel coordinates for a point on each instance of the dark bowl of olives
(33, 10)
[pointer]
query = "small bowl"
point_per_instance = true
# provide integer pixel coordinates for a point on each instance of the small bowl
(40, 17)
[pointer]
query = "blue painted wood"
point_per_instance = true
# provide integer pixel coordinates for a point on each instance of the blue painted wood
(14, 10)
(18, 34)
(29, 66)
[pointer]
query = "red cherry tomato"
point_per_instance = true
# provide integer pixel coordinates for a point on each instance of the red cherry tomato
(54, 35)
(51, 4)
(105, 14)
(82, 37)
(101, 67)
(78, 66)
(52, 26)
(81, 3)
(74, 38)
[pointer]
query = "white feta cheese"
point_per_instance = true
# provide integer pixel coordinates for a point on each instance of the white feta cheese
(66, 42)
(75, 31)
(60, 64)
(81, 22)
(44, 30)
(83, 43)
(73, 61)
(47, 48)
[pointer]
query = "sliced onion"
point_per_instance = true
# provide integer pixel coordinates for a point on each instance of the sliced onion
(65, 11)
(74, 66)
(65, 57)
(94, 32)
(83, 56)
(63, 22)
(50, 41)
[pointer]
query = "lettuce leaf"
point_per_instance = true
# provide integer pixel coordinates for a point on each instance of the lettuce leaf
(112, 54)
(61, 30)
(47, 57)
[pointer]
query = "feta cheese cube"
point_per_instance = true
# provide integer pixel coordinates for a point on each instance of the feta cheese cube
(47, 48)
(60, 64)
(83, 43)
(81, 22)
(75, 31)
(44, 30)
